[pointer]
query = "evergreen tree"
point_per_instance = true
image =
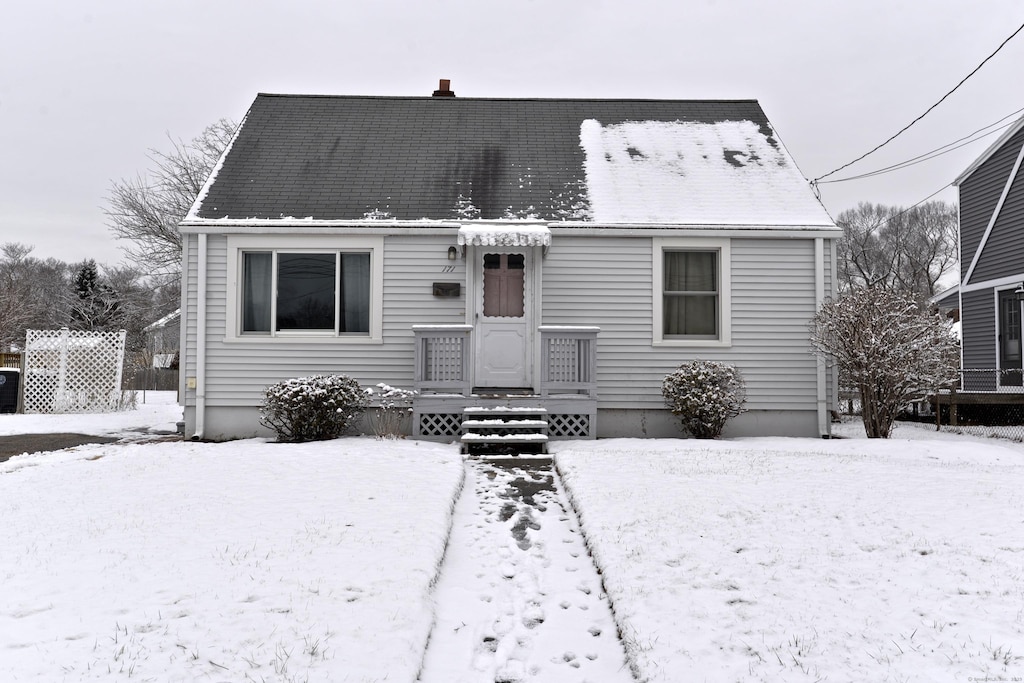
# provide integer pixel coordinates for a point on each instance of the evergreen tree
(96, 305)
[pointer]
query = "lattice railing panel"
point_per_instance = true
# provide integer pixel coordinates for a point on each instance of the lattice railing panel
(440, 424)
(569, 426)
(73, 371)
(441, 358)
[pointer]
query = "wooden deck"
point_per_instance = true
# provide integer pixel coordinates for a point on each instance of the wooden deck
(955, 399)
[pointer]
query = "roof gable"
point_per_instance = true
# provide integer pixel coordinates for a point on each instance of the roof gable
(988, 153)
(607, 161)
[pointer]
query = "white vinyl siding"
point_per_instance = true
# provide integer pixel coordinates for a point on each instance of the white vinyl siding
(239, 369)
(587, 280)
(607, 282)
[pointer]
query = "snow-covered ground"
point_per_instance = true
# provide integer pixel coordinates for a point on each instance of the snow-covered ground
(156, 411)
(800, 560)
(752, 559)
(243, 561)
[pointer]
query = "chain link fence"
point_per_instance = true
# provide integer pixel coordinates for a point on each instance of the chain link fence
(987, 403)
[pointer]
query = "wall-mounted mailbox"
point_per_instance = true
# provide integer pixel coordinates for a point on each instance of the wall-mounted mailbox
(447, 289)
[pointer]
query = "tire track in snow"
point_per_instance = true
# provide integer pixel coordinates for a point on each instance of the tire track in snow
(519, 599)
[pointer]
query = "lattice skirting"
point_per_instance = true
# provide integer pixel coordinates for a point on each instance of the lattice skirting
(560, 426)
(568, 426)
(440, 424)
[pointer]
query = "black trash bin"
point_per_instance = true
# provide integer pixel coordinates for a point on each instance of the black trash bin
(9, 382)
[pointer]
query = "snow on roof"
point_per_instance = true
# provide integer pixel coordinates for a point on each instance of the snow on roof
(193, 211)
(687, 172)
(502, 235)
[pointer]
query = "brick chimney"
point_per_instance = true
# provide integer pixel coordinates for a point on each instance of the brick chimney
(444, 89)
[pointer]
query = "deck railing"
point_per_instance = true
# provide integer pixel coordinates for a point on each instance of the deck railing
(442, 358)
(11, 360)
(568, 360)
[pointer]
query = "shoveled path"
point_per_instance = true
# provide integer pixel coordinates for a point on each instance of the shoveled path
(519, 598)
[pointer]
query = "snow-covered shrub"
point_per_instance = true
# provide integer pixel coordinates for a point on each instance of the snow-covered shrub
(393, 406)
(312, 408)
(704, 394)
(887, 347)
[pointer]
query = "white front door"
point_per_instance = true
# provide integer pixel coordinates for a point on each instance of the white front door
(503, 317)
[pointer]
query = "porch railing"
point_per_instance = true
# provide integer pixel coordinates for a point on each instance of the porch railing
(442, 358)
(568, 356)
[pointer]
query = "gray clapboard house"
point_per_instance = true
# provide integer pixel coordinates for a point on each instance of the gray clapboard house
(560, 255)
(992, 265)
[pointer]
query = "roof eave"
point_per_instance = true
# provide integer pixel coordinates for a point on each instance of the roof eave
(992, 149)
(398, 227)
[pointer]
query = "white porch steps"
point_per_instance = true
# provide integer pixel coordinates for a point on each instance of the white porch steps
(504, 430)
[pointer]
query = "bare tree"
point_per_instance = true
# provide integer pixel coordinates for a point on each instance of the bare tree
(146, 210)
(887, 346)
(14, 294)
(50, 294)
(33, 294)
(902, 250)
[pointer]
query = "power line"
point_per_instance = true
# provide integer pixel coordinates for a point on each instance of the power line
(938, 151)
(941, 100)
(889, 219)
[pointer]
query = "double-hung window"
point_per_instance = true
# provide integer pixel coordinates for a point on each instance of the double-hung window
(691, 292)
(306, 290)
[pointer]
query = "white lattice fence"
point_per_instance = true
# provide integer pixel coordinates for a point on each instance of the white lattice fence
(71, 371)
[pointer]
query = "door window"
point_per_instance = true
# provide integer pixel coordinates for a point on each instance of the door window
(504, 285)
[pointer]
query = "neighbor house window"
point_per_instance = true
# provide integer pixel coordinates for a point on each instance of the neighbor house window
(691, 297)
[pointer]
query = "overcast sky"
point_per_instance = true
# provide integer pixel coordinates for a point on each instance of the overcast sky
(87, 87)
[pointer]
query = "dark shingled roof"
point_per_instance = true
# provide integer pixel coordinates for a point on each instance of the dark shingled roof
(409, 158)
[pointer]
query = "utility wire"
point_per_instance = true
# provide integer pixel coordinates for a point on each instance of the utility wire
(941, 100)
(889, 219)
(938, 151)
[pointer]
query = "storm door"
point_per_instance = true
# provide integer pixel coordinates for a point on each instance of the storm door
(1009, 340)
(503, 317)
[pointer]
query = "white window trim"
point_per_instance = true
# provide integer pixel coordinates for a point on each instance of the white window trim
(238, 244)
(1000, 387)
(724, 249)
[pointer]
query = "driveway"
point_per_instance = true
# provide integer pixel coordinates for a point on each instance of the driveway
(33, 443)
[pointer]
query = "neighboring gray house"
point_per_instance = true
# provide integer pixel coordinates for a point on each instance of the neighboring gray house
(947, 302)
(535, 253)
(163, 339)
(992, 265)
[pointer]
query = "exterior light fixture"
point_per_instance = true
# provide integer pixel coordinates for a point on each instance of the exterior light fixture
(1018, 293)
(453, 254)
